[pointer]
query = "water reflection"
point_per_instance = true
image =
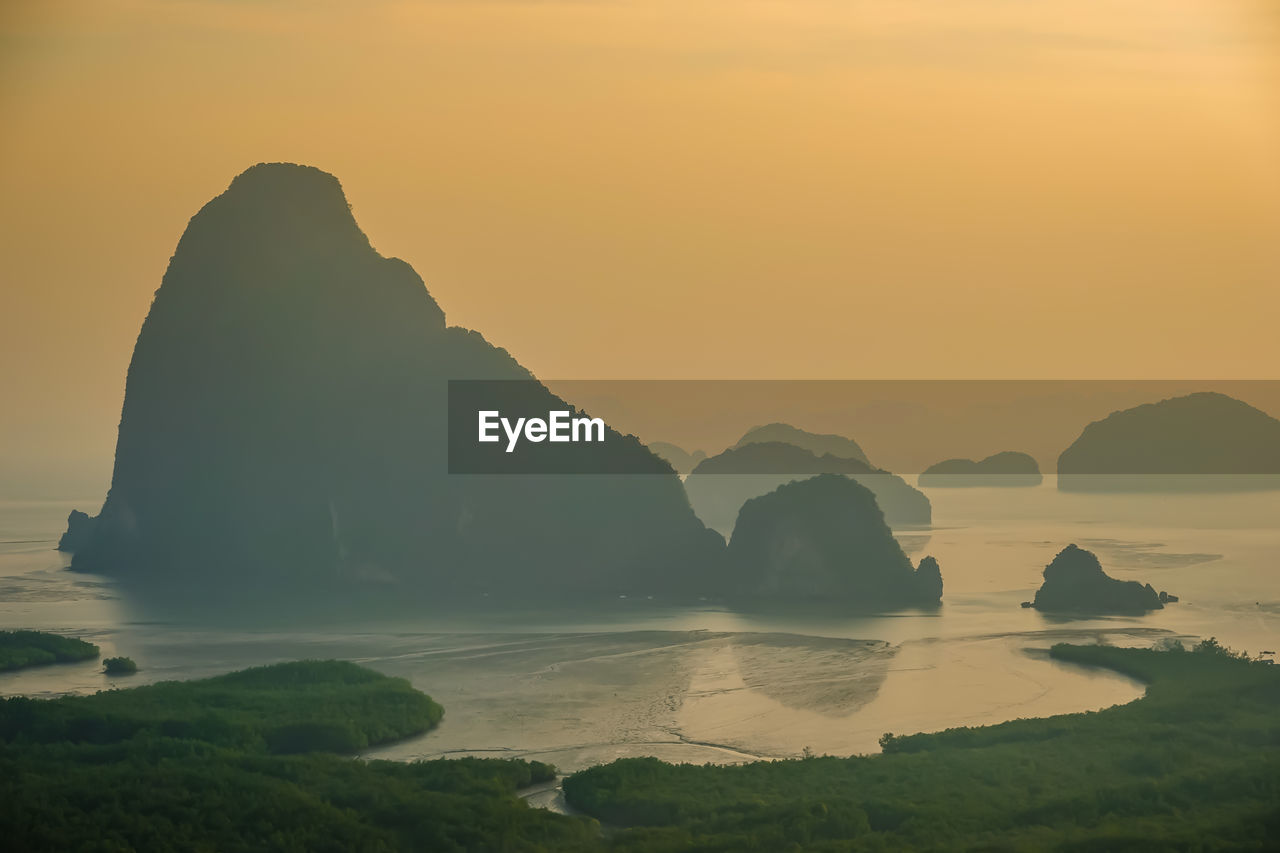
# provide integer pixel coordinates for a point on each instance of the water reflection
(829, 676)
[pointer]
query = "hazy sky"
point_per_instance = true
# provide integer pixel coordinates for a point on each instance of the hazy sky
(668, 188)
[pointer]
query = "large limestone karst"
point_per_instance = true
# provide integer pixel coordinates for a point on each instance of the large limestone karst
(721, 484)
(824, 539)
(284, 426)
(1199, 441)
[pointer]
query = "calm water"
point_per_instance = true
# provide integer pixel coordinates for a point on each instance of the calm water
(706, 684)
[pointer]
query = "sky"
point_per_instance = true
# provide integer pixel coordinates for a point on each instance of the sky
(617, 189)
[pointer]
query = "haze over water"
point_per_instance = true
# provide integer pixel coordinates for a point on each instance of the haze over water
(578, 686)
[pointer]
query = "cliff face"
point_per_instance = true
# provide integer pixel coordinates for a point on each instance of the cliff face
(721, 484)
(1074, 582)
(825, 539)
(1007, 469)
(285, 423)
(1205, 440)
(79, 530)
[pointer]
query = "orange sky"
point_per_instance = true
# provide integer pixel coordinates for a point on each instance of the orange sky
(668, 188)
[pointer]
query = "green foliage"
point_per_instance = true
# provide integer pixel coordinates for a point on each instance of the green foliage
(331, 706)
(197, 766)
(190, 766)
(19, 649)
(165, 794)
(119, 666)
(1193, 765)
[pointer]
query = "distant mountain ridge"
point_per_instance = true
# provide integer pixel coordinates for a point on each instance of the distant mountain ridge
(682, 460)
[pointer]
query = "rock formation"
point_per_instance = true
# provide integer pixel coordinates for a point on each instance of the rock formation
(284, 427)
(79, 531)
(721, 484)
(824, 538)
(1007, 469)
(1075, 583)
(1200, 441)
(819, 444)
(928, 580)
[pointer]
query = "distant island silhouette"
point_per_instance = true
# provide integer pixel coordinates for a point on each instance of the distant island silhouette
(1074, 582)
(284, 428)
(721, 484)
(1006, 469)
(681, 460)
(1203, 441)
(823, 539)
(819, 444)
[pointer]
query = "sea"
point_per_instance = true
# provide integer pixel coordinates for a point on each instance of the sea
(577, 686)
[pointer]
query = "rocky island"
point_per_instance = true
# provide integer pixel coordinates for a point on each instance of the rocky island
(1204, 441)
(284, 429)
(819, 444)
(1074, 582)
(825, 538)
(1008, 469)
(721, 484)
